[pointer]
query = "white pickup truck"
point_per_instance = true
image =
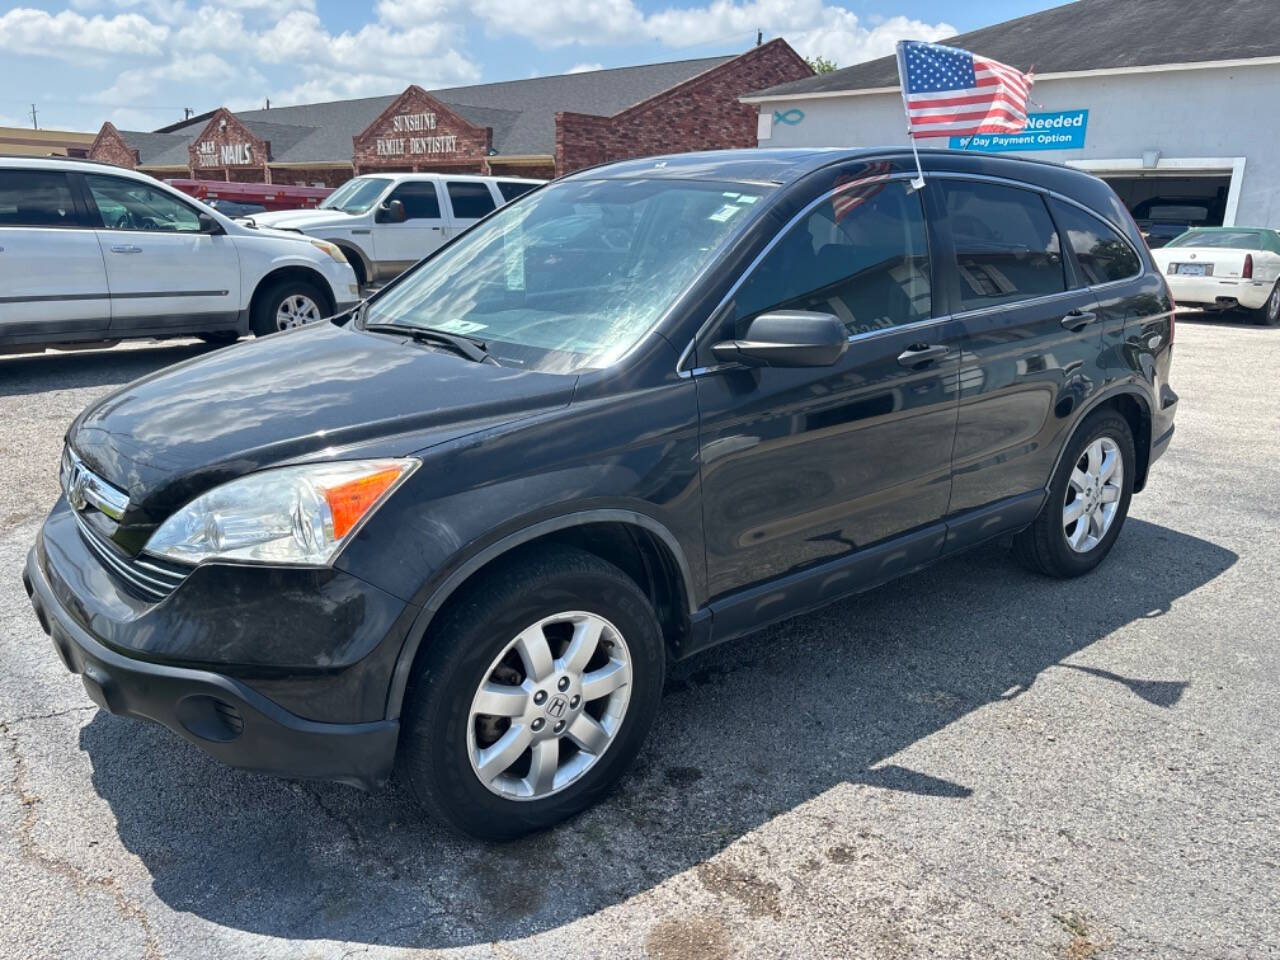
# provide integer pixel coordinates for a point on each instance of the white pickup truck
(385, 223)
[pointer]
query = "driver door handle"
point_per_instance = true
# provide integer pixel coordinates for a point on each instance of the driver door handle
(918, 354)
(1079, 319)
(125, 248)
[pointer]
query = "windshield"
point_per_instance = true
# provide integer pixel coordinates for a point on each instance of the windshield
(572, 276)
(355, 196)
(1233, 239)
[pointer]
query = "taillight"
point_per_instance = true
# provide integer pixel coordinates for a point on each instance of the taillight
(1247, 273)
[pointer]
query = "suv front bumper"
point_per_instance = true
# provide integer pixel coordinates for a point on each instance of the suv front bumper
(231, 722)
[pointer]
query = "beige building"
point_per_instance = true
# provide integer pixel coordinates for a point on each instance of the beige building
(44, 143)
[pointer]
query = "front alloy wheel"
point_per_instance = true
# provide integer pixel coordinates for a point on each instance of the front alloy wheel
(550, 705)
(532, 692)
(296, 310)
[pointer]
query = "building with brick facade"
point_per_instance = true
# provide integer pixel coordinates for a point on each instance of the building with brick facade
(540, 127)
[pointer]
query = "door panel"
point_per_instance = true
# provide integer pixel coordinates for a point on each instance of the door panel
(1023, 368)
(397, 246)
(808, 466)
(160, 267)
(52, 277)
(804, 466)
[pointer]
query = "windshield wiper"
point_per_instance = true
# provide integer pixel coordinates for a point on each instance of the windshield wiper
(475, 350)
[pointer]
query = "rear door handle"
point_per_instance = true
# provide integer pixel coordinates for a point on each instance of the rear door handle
(1079, 319)
(125, 248)
(918, 354)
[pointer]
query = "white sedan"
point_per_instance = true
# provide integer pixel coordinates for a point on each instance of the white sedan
(1223, 268)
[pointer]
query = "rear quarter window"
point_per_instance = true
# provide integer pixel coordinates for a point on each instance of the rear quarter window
(1102, 254)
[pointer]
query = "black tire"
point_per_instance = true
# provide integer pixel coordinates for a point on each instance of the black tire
(262, 319)
(460, 649)
(1268, 315)
(219, 338)
(1043, 546)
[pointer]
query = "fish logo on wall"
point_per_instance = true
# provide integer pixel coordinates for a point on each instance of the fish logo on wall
(789, 117)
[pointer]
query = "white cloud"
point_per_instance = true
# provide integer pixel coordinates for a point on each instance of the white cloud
(811, 26)
(585, 67)
(68, 35)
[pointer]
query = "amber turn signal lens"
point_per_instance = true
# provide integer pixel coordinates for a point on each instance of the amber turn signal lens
(350, 501)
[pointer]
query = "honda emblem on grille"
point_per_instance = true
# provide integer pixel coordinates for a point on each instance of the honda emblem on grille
(75, 490)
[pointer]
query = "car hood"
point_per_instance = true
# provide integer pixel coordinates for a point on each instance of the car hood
(303, 219)
(317, 392)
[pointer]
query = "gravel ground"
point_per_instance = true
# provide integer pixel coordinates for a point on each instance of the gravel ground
(971, 762)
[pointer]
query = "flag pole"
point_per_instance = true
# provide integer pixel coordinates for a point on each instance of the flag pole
(918, 182)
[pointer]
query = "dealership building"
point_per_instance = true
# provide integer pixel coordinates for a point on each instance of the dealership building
(1164, 99)
(540, 127)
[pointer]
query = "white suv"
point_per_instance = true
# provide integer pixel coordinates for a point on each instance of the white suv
(91, 252)
(385, 223)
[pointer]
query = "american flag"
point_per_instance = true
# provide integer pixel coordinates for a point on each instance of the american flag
(955, 93)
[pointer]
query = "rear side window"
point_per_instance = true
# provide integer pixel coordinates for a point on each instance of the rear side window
(469, 200)
(421, 202)
(1103, 255)
(1006, 246)
(860, 255)
(510, 189)
(36, 198)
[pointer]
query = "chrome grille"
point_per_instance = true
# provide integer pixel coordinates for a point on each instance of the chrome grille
(84, 488)
(148, 578)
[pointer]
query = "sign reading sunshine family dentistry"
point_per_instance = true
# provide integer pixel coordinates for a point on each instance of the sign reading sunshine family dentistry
(407, 123)
(1063, 130)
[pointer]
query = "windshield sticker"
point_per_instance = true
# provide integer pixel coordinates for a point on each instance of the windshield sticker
(461, 326)
(724, 213)
(747, 198)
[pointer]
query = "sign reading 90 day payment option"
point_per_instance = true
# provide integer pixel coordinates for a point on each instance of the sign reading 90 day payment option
(1062, 130)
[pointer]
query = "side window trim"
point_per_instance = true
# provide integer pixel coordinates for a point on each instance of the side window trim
(717, 315)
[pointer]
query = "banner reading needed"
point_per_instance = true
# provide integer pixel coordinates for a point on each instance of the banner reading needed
(1062, 130)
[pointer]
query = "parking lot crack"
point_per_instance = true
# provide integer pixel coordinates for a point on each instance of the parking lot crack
(13, 722)
(30, 850)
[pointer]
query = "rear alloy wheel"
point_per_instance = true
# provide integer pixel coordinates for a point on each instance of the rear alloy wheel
(534, 689)
(1087, 501)
(289, 304)
(1269, 314)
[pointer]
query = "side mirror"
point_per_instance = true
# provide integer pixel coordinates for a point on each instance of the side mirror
(391, 212)
(787, 338)
(208, 224)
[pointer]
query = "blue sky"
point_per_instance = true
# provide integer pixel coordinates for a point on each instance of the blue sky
(139, 62)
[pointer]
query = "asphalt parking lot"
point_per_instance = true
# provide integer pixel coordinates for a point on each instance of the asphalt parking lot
(971, 762)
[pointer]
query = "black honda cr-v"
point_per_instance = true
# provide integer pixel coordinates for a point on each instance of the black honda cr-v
(645, 409)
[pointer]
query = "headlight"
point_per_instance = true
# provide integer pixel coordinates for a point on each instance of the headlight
(334, 252)
(300, 515)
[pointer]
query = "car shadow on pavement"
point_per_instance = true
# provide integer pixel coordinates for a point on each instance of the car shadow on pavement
(749, 731)
(47, 372)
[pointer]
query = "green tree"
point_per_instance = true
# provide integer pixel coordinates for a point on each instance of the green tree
(821, 64)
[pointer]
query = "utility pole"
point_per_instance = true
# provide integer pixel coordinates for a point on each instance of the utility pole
(34, 125)
(186, 113)
(268, 106)
(759, 37)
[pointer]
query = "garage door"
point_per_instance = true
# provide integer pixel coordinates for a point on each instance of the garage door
(1165, 206)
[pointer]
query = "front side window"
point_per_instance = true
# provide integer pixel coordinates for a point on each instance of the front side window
(1103, 255)
(470, 200)
(571, 277)
(132, 205)
(1006, 246)
(419, 199)
(36, 198)
(355, 196)
(860, 255)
